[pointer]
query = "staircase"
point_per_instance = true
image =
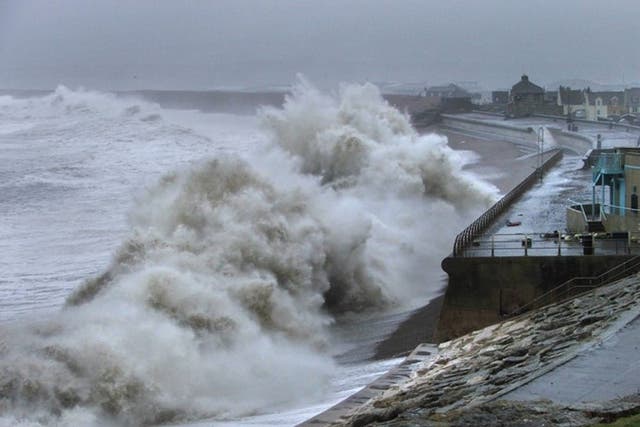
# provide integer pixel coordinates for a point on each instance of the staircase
(579, 285)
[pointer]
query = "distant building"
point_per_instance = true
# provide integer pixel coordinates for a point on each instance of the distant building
(412, 104)
(551, 97)
(525, 98)
(449, 91)
(500, 97)
(452, 97)
(600, 105)
(632, 100)
(572, 102)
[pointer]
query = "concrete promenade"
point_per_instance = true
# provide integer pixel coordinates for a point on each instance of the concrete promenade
(524, 359)
(607, 371)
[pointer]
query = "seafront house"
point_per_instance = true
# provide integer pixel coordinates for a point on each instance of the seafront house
(632, 100)
(572, 102)
(614, 207)
(525, 98)
(590, 105)
(601, 105)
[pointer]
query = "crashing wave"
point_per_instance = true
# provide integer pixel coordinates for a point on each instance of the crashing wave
(219, 302)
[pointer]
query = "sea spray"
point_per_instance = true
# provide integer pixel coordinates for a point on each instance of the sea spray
(220, 301)
(214, 309)
(412, 188)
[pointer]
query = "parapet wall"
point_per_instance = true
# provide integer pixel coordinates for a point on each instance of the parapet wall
(572, 141)
(483, 290)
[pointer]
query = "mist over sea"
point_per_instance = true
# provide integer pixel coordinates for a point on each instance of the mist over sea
(163, 265)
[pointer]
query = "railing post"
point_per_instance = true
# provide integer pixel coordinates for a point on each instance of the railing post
(526, 245)
(492, 245)
(559, 245)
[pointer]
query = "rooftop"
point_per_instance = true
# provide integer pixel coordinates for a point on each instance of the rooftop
(570, 96)
(524, 86)
(449, 91)
(608, 98)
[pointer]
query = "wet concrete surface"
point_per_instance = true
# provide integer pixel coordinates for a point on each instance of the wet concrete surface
(608, 371)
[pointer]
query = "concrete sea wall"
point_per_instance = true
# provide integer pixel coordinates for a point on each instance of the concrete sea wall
(572, 141)
(483, 290)
(495, 130)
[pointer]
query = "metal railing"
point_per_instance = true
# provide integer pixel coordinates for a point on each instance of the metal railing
(608, 163)
(579, 285)
(475, 229)
(552, 244)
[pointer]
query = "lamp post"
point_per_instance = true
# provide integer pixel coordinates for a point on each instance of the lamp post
(540, 150)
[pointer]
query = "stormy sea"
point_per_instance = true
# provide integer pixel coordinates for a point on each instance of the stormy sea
(169, 262)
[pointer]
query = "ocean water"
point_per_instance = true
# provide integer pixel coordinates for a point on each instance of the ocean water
(175, 266)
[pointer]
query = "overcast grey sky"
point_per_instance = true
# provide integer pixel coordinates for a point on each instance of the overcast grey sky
(113, 44)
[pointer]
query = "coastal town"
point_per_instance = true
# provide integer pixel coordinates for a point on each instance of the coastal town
(525, 98)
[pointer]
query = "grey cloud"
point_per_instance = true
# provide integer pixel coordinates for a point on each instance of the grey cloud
(196, 44)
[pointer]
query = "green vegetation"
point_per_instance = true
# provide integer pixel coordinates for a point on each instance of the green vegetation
(631, 421)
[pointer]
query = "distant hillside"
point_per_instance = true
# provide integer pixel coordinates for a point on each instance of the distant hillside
(582, 84)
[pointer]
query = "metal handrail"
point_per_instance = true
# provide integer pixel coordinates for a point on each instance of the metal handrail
(584, 213)
(629, 267)
(474, 229)
(548, 243)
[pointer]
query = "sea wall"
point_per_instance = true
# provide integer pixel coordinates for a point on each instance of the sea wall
(483, 290)
(495, 130)
(572, 141)
(603, 123)
(491, 129)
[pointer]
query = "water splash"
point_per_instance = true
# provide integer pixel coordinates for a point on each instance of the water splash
(219, 302)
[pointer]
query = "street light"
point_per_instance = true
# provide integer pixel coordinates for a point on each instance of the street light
(540, 150)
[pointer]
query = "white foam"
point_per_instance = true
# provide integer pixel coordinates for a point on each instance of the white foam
(219, 301)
